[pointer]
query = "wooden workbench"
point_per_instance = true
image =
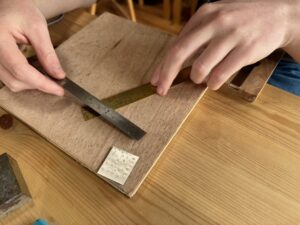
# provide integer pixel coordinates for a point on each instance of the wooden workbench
(231, 163)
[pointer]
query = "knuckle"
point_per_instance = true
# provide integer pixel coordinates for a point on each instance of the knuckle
(206, 8)
(236, 31)
(14, 86)
(164, 77)
(224, 19)
(177, 52)
(49, 56)
(200, 68)
(38, 26)
(19, 70)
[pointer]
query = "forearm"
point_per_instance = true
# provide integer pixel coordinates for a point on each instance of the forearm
(292, 47)
(55, 7)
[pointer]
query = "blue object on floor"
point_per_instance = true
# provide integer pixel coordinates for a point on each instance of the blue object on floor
(41, 222)
(287, 76)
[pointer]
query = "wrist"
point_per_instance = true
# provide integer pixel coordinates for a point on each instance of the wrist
(292, 43)
(46, 8)
(55, 7)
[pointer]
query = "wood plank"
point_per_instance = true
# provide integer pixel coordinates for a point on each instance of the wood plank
(260, 75)
(238, 162)
(250, 81)
(107, 57)
(225, 148)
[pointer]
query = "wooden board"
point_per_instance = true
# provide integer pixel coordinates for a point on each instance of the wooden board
(250, 80)
(109, 56)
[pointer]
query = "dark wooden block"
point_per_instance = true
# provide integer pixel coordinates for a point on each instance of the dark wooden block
(250, 81)
(13, 190)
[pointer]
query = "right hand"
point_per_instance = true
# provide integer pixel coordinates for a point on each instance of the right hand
(21, 22)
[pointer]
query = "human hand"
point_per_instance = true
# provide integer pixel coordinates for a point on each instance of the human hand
(232, 34)
(21, 22)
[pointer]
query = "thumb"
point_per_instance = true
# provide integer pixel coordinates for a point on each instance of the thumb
(41, 42)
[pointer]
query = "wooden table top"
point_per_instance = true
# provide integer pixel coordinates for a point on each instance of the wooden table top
(231, 163)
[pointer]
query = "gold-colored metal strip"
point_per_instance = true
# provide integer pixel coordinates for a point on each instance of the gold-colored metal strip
(133, 95)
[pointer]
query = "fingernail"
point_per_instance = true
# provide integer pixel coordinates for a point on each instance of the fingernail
(59, 71)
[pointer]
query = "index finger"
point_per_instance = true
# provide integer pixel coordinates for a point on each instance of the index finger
(17, 65)
(179, 53)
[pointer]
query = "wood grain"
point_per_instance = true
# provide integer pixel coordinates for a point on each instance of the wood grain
(230, 163)
(107, 57)
(251, 83)
(238, 162)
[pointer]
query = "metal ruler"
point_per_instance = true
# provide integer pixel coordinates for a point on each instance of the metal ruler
(105, 108)
(133, 95)
(108, 114)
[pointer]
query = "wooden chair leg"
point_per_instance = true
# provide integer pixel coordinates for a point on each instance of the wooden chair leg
(193, 6)
(177, 8)
(93, 9)
(141, 3)
(131, 10)
(167, 9)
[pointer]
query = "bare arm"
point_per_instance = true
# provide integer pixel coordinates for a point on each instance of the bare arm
(55, 7)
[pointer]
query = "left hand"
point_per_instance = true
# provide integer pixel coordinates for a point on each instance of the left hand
(232, 34)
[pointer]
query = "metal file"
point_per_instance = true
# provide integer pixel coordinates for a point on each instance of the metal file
(107, 113)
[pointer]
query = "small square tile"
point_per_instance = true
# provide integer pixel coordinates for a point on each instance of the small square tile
(118, 165)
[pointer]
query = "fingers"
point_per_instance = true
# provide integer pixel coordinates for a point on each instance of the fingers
(155, 77)
(178, 54)
(18, 67)
(210, 57)
(40, 40)
(235, 60)
(203, 14)
(225, 28)
(10, 82)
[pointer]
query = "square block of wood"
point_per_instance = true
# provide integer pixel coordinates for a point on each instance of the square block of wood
(109, 56)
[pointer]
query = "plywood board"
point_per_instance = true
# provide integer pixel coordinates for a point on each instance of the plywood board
(107, 57)
(250, 80)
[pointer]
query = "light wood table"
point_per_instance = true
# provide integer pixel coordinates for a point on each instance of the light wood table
(231, 163)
